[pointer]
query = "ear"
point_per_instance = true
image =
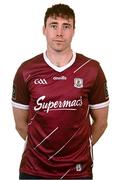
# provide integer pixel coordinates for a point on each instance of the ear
(43, 29)
(74, 32)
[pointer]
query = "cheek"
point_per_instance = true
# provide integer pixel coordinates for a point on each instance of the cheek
(69, 37)
(49, 35)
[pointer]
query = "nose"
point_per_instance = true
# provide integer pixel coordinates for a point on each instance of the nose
(59, 31)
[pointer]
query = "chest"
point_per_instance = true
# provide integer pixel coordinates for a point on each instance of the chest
(54, 85)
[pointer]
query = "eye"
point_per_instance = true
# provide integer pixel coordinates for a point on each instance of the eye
(66, 26)
(53, 26)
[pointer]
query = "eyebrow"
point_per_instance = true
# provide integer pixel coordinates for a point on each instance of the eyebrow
(53, 23)
(62, 24)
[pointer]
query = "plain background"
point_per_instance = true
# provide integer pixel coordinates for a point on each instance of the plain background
(21, 38)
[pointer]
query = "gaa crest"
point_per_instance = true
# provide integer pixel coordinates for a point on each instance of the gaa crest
(78, 82)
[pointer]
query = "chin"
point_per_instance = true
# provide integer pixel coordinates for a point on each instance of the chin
(59, 49)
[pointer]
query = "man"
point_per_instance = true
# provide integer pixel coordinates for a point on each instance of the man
(54, 95)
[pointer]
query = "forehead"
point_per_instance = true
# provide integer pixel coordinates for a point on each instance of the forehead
(59, 20)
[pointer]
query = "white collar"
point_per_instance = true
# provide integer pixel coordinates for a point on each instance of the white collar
(56, 68)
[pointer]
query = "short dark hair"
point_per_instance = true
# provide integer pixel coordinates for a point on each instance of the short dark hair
(60, 10)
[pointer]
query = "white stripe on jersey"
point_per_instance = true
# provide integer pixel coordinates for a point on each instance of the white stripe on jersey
(20, 106)
(82, 66)
(65, 174)
(87, 113)
(64, 145)
(91, 147)
(27, 77)
(46, 138)
(31, 120)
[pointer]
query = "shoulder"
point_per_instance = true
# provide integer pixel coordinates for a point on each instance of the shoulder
(84, 59)
(88, 63)
(28, 64)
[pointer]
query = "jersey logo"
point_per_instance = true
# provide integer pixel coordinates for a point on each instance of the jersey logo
(70, 105)
(14, 92)
(78, 82)
(60, 78)
(106, 90)
(40, 81)
(78, 167)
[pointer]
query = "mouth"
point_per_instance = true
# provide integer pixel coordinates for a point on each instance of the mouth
(59, 40)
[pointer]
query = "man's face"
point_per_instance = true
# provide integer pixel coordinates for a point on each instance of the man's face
(59, 33)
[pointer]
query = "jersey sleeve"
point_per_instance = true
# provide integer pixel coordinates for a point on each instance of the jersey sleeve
(20, 93)
(98, 96)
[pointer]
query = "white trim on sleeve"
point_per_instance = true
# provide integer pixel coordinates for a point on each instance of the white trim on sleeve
(20, 106)
(100, 105)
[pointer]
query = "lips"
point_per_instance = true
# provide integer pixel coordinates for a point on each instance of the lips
(59, 41)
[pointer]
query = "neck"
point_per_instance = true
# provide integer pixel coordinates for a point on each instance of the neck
(59, 58)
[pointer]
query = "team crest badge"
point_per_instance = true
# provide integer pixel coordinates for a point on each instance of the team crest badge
(78, 82)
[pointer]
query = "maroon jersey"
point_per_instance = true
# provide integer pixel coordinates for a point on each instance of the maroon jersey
(58, 99)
